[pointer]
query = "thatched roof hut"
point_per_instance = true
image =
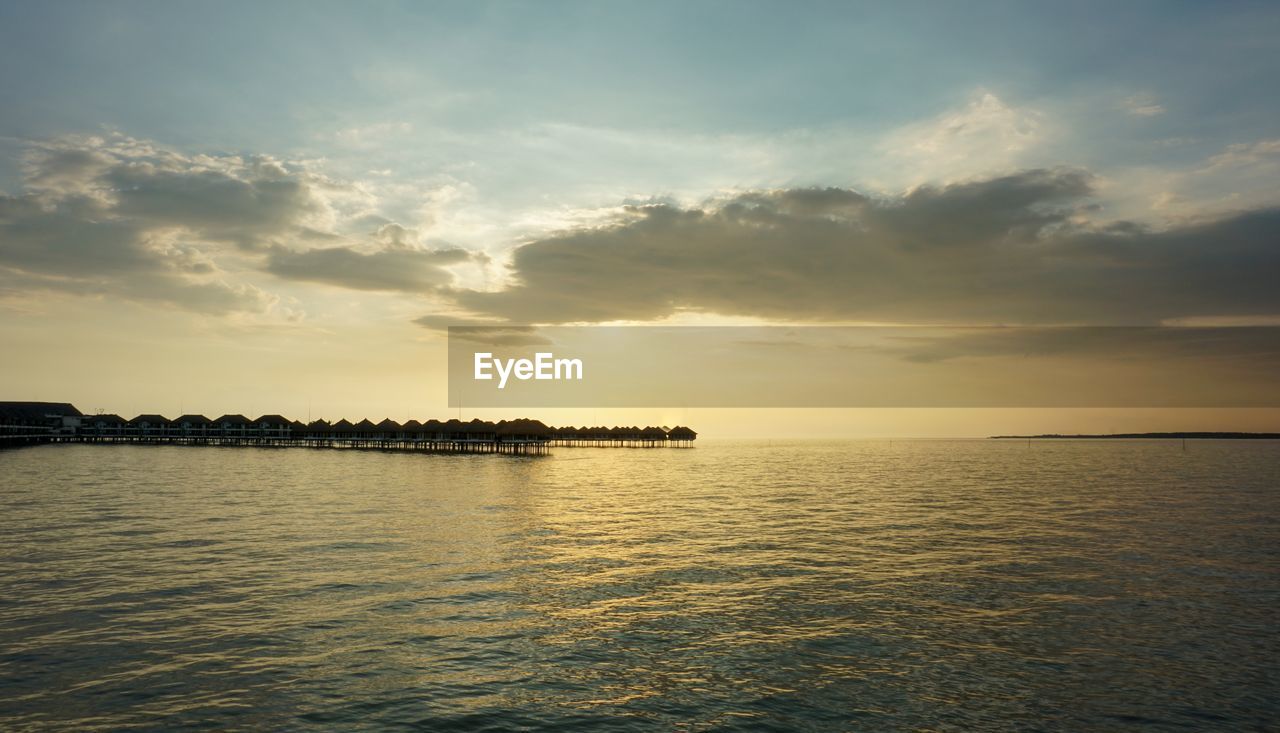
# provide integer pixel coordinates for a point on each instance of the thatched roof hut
(682, 433)
(478, 428)
(522, 428)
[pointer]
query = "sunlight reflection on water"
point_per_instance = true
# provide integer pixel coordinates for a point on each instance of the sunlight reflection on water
(738, 585)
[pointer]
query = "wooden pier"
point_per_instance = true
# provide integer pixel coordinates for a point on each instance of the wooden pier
(29, 423)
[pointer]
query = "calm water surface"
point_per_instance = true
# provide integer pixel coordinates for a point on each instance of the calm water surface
(733, 586)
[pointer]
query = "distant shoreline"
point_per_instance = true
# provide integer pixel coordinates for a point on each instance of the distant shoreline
(1167, 436)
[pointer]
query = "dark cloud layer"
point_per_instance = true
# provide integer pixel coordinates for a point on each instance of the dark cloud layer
(396, 269)
(116, 216)
(1012, 249)
(119, 217)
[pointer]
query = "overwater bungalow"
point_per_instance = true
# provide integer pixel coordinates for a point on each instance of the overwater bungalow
(682, 434)
(433, 430)
(103, 425)
(230, 426)
(522, 429)
(271, 426)
(479, 429)
(148, 426)
(653, 435)
(411, 430)
(191, 426)
(454, 429)
(388, 429)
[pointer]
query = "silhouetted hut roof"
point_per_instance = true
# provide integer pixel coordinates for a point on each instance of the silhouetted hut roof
(232, 420)
(151, 419)
(682, 433)
(107, 419)
(522, 426)
(388, 424)
(319, 425)
(27, 411)
(480, 427)
(297, 425)
(272, 420)
(652, 433)
(193, 420)
(343, 424)
(412, 425)
(365, 426)
(432, 424)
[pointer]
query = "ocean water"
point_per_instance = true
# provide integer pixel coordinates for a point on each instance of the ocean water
(942, 585)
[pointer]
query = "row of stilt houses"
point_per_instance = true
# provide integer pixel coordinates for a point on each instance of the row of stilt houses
(475, 436)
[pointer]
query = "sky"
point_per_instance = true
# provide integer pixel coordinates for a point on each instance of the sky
(276, 207)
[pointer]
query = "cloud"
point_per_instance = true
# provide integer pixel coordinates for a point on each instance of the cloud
(1011, 249)
(368, 136)
(1142, 105)
(111, 216)
(246, 200)
(119, 217)
(985, 134)
(1246, 154)
(394, 269)
(1239, 177)
(155, 286)
(396, 262)
(246, 207)
(77, 247)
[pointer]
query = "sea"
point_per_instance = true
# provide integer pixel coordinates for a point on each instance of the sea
(733, 586)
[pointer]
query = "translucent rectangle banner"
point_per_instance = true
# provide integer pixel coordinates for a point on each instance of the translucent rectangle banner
(863, 366)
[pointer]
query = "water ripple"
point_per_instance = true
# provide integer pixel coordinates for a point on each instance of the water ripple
(738, 586)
